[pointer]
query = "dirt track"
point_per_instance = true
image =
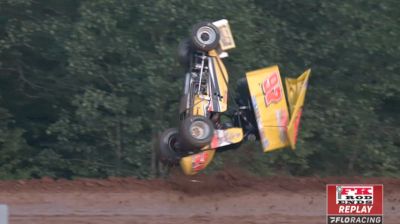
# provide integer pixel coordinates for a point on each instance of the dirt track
(222, 198)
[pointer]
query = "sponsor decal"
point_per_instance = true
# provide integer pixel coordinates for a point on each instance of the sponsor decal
(264, 140)
(220, 139)
(283, 120)
(199, 161)
(354, 204)
(272, 89)
(296, 124)
(224, 137)
(215, 140)
(232, 136)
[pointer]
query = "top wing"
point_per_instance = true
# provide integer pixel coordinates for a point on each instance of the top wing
(269, 106)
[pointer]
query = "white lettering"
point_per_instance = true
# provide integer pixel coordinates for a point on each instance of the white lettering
(355, 209)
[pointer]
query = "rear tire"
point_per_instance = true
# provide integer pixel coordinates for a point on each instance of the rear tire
(205, 36)
(167, 153)
(195, 132)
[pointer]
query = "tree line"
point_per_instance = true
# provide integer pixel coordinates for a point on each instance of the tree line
(85, 86)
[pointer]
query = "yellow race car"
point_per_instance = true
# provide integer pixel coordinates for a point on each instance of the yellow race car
(263, 112)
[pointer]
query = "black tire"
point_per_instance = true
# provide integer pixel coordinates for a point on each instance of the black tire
(167, 153)
(185, 52)
(205, 36)
(195, 132)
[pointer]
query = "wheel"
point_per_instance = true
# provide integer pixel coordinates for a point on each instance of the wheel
(184, 52)
(168, 142)
(205, 36)
(195, 132)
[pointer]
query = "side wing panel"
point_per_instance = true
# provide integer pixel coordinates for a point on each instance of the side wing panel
(296, 92)
(270, 107)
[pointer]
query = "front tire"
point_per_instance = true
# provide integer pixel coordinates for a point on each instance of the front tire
(196, 132)
(205, 36)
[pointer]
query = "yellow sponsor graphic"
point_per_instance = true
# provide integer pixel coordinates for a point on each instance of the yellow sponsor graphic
(226, 137)
(226, 42)
(194, 163)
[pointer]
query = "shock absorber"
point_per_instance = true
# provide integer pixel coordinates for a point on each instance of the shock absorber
(203, 57)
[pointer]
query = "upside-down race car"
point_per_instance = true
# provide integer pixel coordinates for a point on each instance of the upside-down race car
(262, 112)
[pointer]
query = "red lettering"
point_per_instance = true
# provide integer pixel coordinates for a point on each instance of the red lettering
(199, 160)
(296, 125)
(272, 90)
(357, 190)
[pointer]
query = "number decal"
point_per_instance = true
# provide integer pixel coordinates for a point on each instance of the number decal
(199, 161)
(272, 90)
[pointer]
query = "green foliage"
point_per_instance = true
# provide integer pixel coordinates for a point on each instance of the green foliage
(86, 85)
(12, 146)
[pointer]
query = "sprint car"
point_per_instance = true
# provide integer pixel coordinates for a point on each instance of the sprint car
(263, 112)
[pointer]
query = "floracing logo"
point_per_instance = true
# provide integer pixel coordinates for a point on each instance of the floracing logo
(353, 204)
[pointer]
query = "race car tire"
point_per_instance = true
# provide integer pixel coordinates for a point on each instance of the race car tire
(167, 153)
(195, 132)
(184, 52)
(205, 36)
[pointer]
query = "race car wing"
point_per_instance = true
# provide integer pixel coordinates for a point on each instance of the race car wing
(296, 92)
(270, 106)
